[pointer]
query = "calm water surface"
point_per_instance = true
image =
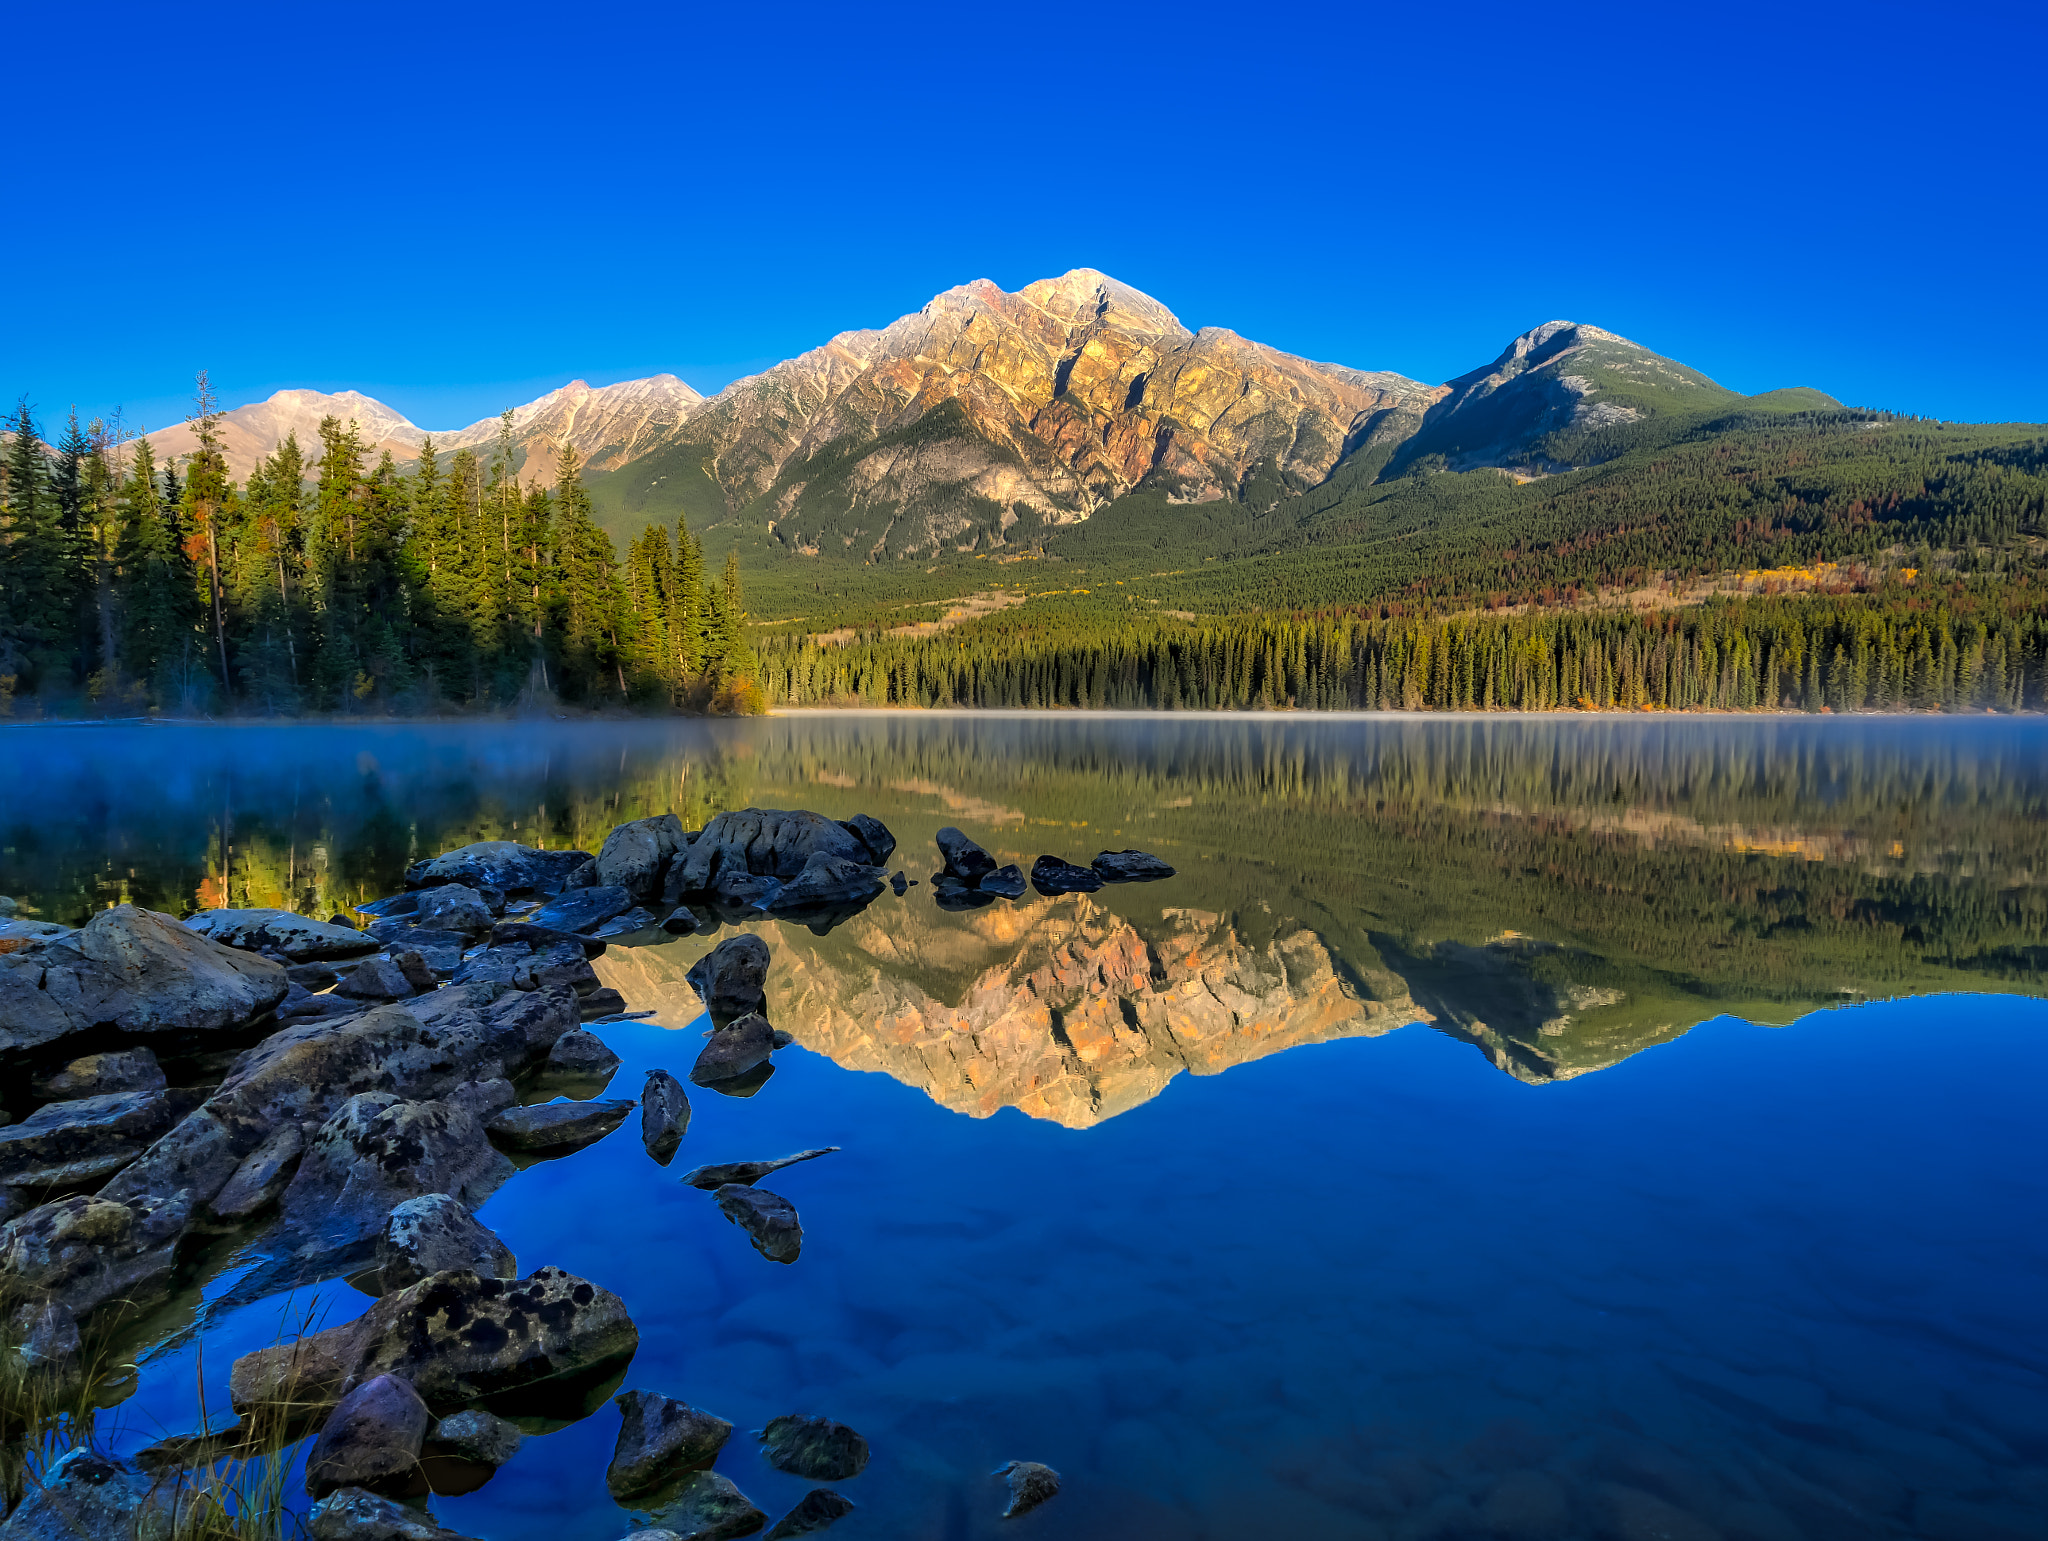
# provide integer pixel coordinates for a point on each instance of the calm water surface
(1499, 1128)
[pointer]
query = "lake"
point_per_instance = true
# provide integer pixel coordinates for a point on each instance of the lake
(1498, 1126)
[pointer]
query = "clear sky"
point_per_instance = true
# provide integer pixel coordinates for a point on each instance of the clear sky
(455, 209)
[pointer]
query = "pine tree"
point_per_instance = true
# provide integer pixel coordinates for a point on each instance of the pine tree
(159, 612)
(206, 508)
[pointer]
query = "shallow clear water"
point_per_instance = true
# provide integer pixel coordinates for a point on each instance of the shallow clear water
(1198, 1191)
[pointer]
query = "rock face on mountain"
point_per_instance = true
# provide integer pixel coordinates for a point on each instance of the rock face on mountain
(1561, 378)
(987, 416)
(249, 433)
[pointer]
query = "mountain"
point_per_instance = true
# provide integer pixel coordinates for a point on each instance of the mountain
(987, 418)
(1554, 385)
(609, 425)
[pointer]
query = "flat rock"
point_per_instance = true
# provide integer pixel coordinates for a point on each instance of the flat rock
(380, 1150)
(660, 1438)
(635, 855)
(639, 918)
(734, 1049)
(963, 858)
(746, 1173)
(664, 1115)
(708, 1507)
(729, 979)
(816, 1510)
(477, 1436)
(1050, 875)
(1005, 882)
(102, 1075)
(558, 1126)
(814, 1448)
(295, 938)
(582, 910)
(580, 1052)
(434, 1232)
(85, 1494)
(354, 1514)
(501, 864)
(1031, 1484)
(395, 904)
(1131, 867)
(454, 907)
(133, 971)
(828, 881)
(263, 1176)
(87, 1139)
(371, 1440)
(769, 1220)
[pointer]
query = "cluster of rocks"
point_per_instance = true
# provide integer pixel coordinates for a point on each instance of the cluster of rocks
(968, 876)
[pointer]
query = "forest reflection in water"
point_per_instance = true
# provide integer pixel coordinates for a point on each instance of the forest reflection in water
(1560, 892)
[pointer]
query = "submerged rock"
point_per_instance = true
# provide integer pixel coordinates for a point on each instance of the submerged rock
(103, 1075)
(1050, 875)
(296, 938)
(432, 1233)
(634, 856)
(380, 1150)
(85, 1140)
(1031, 1484)
(1005, 882)
(828, 881)
(659, 1439)
(1131, 867)
(816, 1510)
(354, 1514)
(664, 1115)
(477, 1436)
(729, 978)
(963, 858)
(769, 1220)
(501, 864)
(708, 1507)
(733, 1050)
(371, 1440)
(746, 1173)
(133, 971)
(582, 910)
(814, 1448)
(557, 1126)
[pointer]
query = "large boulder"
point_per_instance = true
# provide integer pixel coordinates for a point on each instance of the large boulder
(582, 910)
(87, 1140)
(501, 864)
(87, 1252)
(434, 1233)
(634, 855)
(761, 843)
(872, 833)
(659, 1439)
(86, 1494)
(371, 1440)
(456, 1337)
(963, 859)
(730, 978)
(734, 1049)
(133, 971)
(98, 1075)
(454, 907)
(299, 938)
(379, 1150)
(828, 882)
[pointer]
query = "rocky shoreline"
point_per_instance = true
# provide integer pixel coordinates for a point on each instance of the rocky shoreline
(340, 1096)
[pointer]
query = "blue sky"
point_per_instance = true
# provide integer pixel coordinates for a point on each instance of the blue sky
(457, 209)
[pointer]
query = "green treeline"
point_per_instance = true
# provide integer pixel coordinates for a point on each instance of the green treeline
(340, 585)
(1741, 655)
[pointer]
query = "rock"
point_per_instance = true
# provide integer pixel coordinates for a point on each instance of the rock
(816, 1510)
(371, 1440)
(85, 1140)
(10, 1205)
(684, 921)
(828, 882)
(1006, 882)
(664, 1115)
(380, 1150)
(872, 833)
(85, 1494)
(102, 1075)
(477, 1436)
(433, 1232)
(456, 1337)
(747, 1173)
(582, 1053)
(708, 1507)
(133, 971)
(314, 976)
(769, 1219)
(44, 1336)
(900, 884)
(301, 1005)
(1031, 1484)
(757, 842)
(263, 1176)
(729, 978)
(508, 932)
(524, 967)
(1050, 875)
(950, 893)
(297, 938)
(734, 1049)
(379, 979)
(351, 1514)
(639, 918)
(659, 1439)
(501, 864)
(582, 910)
(1130, 867)
(484, 1098)
(396, 904)
(454, 907)
(604, 1002)
(634, 856)
(86, 1251)
(441, 951)
(962, 857)
(814, 1448)
(557, 1126)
